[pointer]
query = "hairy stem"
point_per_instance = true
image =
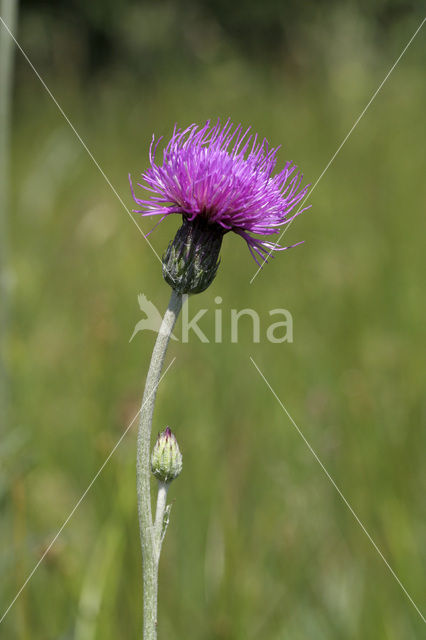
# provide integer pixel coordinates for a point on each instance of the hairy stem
(150, 557)
(163, 488)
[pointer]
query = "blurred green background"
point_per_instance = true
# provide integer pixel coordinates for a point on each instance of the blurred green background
(260, 545)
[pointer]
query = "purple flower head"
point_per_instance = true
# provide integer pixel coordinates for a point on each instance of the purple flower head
(222, 177)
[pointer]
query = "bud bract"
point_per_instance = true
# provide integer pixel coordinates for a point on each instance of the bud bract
(166, 458)
(191, 260)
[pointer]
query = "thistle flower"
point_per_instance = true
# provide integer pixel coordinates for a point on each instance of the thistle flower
(220, 179)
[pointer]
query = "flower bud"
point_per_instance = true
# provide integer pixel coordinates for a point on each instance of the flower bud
(191, 260)
(166, 458)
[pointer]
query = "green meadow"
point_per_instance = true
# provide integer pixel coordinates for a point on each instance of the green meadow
(260, 542)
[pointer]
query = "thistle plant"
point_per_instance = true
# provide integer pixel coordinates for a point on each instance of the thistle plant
(218, 179)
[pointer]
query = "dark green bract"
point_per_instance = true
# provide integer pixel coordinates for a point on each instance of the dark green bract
(191, 260)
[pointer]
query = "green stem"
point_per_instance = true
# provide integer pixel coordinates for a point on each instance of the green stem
(163, 488)
(9, 13)
(150, 557)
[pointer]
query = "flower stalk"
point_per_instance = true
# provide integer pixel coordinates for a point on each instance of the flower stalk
(149, 543)
(160, 513)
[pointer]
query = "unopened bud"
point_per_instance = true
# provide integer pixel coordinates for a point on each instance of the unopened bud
(166, 458)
